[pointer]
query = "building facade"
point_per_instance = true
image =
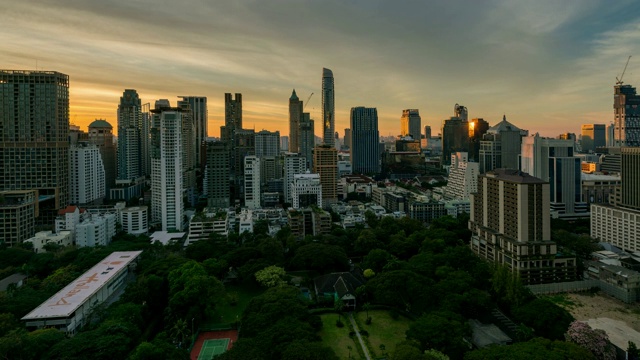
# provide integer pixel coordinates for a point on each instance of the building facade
(410, 123)
(293, 164)
(328, 107)
(135, 220)
(86, 174)
(18, 210)
(306, 190)
(500, 147)
(216, 182)
(200, 114)
(626, 111)
(267, 143)
(365, 157)
(295, 115)
(252, 182)
(98, 230)
(510, 224)
(325, 163)
(307, 139)
(593, 136)
(101, 135)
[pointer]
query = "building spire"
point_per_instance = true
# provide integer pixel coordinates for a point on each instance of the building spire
(293, 95)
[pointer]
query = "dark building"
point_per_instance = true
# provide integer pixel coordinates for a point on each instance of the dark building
(216, 181)
(626, 110)
(477, 128)
(593, 136)
(365, 155)
(455, 137)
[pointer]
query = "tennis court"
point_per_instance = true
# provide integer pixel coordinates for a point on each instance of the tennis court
(211, 348)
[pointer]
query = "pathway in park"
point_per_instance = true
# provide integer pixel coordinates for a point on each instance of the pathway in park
(355, 328)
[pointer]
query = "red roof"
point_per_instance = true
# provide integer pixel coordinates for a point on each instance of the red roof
(68, 209)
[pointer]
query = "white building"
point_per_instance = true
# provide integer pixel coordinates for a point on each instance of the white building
(306, 190)
(62, 238)
(166, 167)
(98, 230)
(252, 182)
(616, 225)
(293, 164)
(86, 174)
(344, 168)
(246, 221)
(68, 218)
(135, 220)
(463, 177)
(203, 224)
(70, 308)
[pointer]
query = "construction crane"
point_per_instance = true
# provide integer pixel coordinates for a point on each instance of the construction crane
(619, 81)
(307, 102)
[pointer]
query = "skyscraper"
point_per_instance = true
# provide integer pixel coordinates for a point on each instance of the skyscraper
(295, 113)
(427, 131)
(216, 183)
(328, 107)
(325, 163)
(307, 139)
(167, 204)
(500, 147)
(347, 138)
(626, 111)
(410, 123)
(252, 182)
(365, 157)
(244, 144)
(199, 112)
(189, 150)
(510, 225)
(34, 133)
(129, 136)
(101, 135)
(293, 164)
(86, 174)
(477, 128)
(267, 143)
(455, 137)
(232, 123)
(593, 136)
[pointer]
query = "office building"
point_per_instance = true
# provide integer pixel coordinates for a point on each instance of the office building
(101, 135)
(189, 150)
(347, 138)
(284, 143)
(295, 115)
(365, 157)
(511, 226)
(293, 164)
(270, 168)
(200, 114)
(307, 139)
(216, 182)
(477, 128)
(71, 308)
(34, 133)
(427, 132)
(167, 205)
(129, 175)
(611, 132)
(252, 182)
(626, 112)
(325, 163)
(86, 174)
(500, 147)
(328, 107)
(410, 123)
(267, 143)
(18, 210)
(306, 190)
(552, 160)
(455, 137)
(232, 123)
(308, 221)
(593, 136)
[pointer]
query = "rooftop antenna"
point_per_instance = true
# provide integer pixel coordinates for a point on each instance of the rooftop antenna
(619, 81)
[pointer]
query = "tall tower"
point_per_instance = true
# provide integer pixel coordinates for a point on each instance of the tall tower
(189, 150)
(293, 164)
(307, 139)
(295, 114)
(626, 111)
(252, 182)
(216, 183)
(328, 107)
(477, 128)
(347, 137)
(199, 112)
(325, 163)
(365, 157)
(34, 136)
(129, 136)
(166, 166)
(455, 137)
(101, 135)
(410, 123)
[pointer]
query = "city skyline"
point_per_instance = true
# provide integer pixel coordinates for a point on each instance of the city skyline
(549, 66)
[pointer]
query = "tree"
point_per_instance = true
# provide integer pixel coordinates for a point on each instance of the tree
(406, 350)
(367, 241)
(368, 273)
(338, 306)
(632, 351)
(320, 257)
(271, 276)
(432, 354)
(376, 259)
(546, 318)
(443, 331)
(192, 292)
(307, 350)
(180, 333)
(536, 349)
(594, 340)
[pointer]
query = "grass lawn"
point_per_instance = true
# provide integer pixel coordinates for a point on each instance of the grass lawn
(338, 338)
(383, 329)
(226, 313)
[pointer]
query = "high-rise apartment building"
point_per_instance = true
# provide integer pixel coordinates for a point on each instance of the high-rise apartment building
(593, 136)
(611, 134)
(216, 182)
(295, 114)
(244, 145)
(200, 114)
(18, 211)
(267, 143)
(101, 135)
(86, 174)
(500, 147)
(129, 136)
(511, 226)
(252, 182)
(34, 136)
(293, 164)
(365, 157)
(552, 160)
(307, 139)
(410, 123)
(328, 107)
(626, 111)
(145, 140)
(325, 163)
(189, 150)
(463, 177)
(232, 123)
(167, 205)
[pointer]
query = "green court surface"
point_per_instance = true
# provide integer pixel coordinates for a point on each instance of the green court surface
(211, 348)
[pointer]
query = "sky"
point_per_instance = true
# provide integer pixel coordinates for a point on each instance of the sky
(549, 66)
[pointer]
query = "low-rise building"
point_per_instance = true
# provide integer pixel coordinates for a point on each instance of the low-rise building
(70, 308)
(97, 230)
(425, 210)
(207, 222)
(615, 280)
(245, 223)
(309, 221)
(42, 238)
(135, 220)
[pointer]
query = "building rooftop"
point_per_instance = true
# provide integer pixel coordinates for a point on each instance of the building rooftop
(516, 176)
(71, 297)
(100, 123)
(599, 177)
(503, 125)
